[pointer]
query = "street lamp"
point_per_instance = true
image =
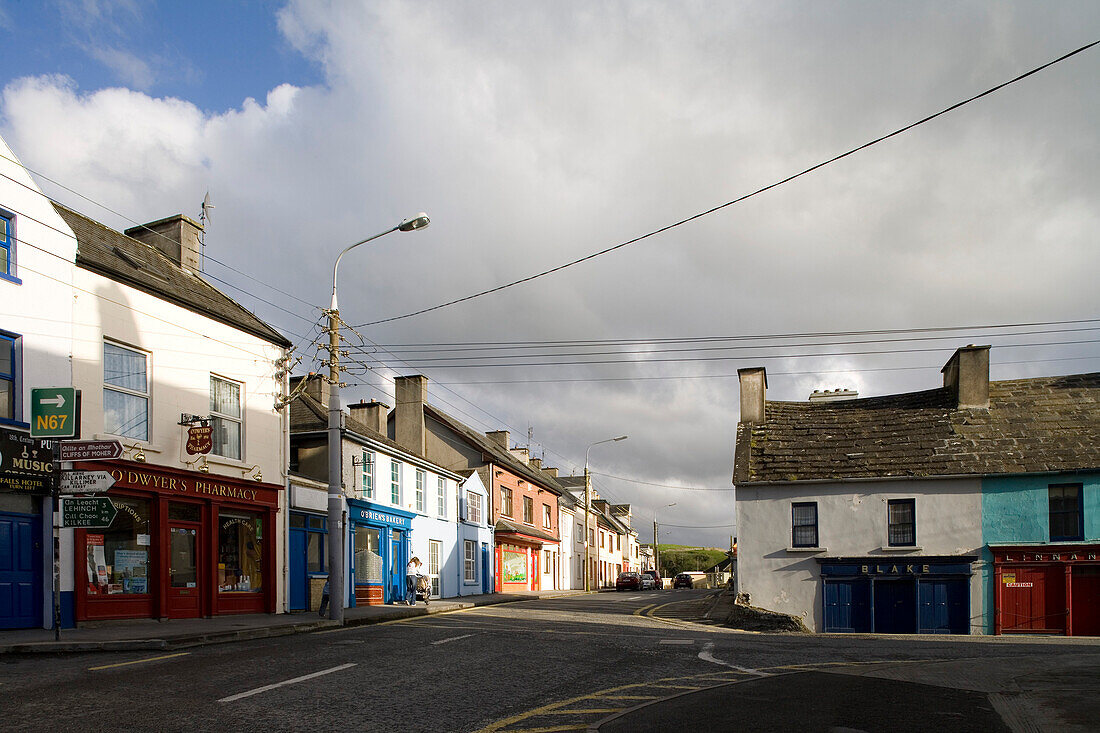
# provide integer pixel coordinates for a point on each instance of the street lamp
(335, 454)
(588, 502)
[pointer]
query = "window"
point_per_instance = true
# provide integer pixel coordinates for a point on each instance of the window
(469, 556)
(601, 538)
(226, 417)
(591, 537)
(505, 501)
(9, 376)
(7, 246)
(902, 517)
(368, 475)
(546, 561)
(395, 482)
(804, 524)
(435, 551)
(473, 507)
(1065, 512)
(314, 530)
(368, 554)
(125, 392)
(546, 516)
(240, 557)
(528, 510)
(419, 490)
(441, 496)
(117, 557)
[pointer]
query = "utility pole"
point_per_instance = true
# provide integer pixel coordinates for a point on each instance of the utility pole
(656, 550)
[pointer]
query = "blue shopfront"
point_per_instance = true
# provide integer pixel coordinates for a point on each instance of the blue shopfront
(379, 550)
(905, 595)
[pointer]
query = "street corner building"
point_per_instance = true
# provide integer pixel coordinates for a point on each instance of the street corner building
(972, 508)
(163, 363)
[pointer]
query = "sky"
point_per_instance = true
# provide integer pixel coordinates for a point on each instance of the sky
(536, 134)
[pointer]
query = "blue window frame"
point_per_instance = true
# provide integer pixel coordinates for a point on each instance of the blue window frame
(7, 245)
(9, 378)
(1065, 512)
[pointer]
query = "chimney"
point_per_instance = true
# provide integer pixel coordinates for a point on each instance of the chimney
(316, 387)
(754, 383)
(409, 430)
(178, 237)
(966, 374)
(522, 454)
(372, 414)
(837, 395)
(552, 471)
(536, 463)
(500, 437)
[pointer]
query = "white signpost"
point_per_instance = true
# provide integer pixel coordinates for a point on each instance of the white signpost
(85, 482)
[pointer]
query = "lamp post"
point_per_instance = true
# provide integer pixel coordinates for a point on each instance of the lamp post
(335, 453)
(657, 547)
(588, 503)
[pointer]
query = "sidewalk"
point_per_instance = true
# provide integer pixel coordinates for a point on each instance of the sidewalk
(138, 634)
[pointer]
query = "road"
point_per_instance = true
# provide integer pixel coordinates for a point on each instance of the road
(564, 664)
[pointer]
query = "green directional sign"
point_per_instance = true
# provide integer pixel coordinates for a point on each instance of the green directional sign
(53, 412)
(88, 512)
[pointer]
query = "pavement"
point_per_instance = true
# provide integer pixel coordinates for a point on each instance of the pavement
(139, 634)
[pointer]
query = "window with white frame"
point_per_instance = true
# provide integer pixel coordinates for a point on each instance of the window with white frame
(10, 377)
(528, 510)
(226, 417)
(125, 391)
(546, 516)
(395, 482)
(368, 475)
(420, 478)
(473, 507)
(441, 496)
(469, 559)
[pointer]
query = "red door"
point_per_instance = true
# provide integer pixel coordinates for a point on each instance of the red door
(1034, 599)
(184, 569)
(536, 574)
(1086, 600)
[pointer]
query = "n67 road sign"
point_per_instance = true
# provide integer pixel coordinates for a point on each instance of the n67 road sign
(53, 412)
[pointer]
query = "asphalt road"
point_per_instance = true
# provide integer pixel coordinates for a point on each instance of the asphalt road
(563, 664)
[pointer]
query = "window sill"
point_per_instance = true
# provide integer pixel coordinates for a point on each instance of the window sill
(902, 548)
(14, 423)
(230, 462)
(10, 278)
(807, 549)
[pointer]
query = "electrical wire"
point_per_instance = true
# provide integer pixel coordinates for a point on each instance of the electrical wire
(758, 191)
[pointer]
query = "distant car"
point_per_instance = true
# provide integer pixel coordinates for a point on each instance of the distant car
(657, 582)
(628, 581)
(647, 582)
(683, 580)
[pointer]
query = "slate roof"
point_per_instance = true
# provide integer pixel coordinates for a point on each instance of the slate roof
(1035, 425)
(508, 527)
(123, 259)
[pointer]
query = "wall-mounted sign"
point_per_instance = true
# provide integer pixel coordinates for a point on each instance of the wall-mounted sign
(85, 482)
(26, 465)
(53, 412)
(96, 511)
(89, 450)
(200, 439)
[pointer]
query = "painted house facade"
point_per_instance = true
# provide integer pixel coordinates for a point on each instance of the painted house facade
(906, 513)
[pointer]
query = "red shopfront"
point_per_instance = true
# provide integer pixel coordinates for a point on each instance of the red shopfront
(1053, 589)
(183, 545)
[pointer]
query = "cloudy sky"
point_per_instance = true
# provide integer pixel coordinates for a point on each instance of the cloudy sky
(535, 134)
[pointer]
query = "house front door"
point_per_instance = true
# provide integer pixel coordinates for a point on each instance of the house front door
(184, 570)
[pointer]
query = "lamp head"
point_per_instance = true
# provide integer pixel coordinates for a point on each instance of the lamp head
(621, 437)
(419, 221)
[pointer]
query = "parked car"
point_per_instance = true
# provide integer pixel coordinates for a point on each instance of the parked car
(657, 582)
(683, 580)
(628, 581)
(647, 582)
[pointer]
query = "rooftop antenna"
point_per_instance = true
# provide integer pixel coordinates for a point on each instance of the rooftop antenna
(203, 218)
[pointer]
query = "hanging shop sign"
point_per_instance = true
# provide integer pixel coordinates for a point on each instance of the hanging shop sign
(26, 464)
(200, 439)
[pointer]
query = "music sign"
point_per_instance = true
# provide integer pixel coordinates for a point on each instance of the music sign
(200, 439)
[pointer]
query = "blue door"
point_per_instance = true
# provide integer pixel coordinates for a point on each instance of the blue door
(20, 571)
(397, 567)
(846, 606)
(299, 582)
(486, 576)
(895, 606)
(944, 606)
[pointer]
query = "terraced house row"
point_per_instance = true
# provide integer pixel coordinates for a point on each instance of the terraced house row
(221, 491)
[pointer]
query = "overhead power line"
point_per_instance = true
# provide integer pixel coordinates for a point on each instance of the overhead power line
(739, 199)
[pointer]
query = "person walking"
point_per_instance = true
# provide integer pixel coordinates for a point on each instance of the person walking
(412, 570)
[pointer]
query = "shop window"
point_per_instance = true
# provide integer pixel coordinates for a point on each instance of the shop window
(118, 557)
(506, 501)
(902, 518)
(469, 561)
(1065, 512)
(546, 516)
(515, 566)
(368, 475)
(368, 554)
(473, 507)
(420, 490)
(395, 483)
(441, 496)
(804, 524)
(240, 557)
(226, 417)
(125, 392)
(528, 510)
(184, 512)
(10, 377)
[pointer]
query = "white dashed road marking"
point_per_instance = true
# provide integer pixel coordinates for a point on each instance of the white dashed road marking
(706, 656)
(453, 638)
(303, 678)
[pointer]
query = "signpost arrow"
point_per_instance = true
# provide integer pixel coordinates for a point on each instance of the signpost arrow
(85, 482)
(89, 450)
(91, 512)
